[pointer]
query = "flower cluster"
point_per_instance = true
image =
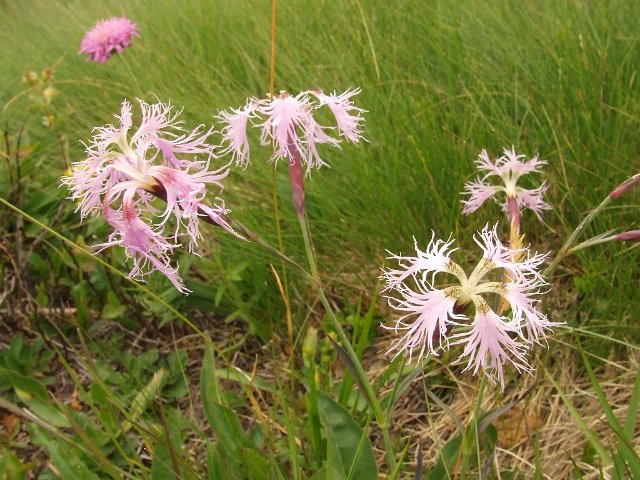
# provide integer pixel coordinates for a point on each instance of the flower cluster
(108, 37)
(128, 168)
(509, 168)
(288, 122)
(433, 318)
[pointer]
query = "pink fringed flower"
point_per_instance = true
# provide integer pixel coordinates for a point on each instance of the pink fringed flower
(510, 167)
(289, 123)
(108, 37)
(128, 169)
(433, 318)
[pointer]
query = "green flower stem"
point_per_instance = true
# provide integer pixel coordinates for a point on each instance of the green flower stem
(254, 237)
(565, 250)
(346, 344)
(130, 72)
(314, 279)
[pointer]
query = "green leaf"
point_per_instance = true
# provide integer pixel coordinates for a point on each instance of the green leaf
(26, 388)
(449, 455)
(11, 467)
(144, 397)
(626, 451)
(208, 380)
(257, 467)
(162, 467)
(224, 422)
(66, 460)
(349, 448)
(113, 311)
(48, 412)
(215, 465)
(594, 441)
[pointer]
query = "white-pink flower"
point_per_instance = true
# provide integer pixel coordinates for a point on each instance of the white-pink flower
(433, 317)
(108, 37)
(510, 167)
(288, 122)
(140, 178)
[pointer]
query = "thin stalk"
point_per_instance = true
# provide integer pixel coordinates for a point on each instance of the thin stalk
(476, 414)
(133, 77)
(515, 242)
(308, 247)
(346, 344)
(276, 207)
(253, 236)
(296, 178)
(272, 71)
(562, 253)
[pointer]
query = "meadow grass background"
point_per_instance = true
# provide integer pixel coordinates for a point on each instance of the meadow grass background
(440, 80)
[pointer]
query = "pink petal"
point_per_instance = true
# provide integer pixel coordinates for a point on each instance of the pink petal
(479, 192)
(234, 133)
(435, 259)
(427, 316)
(488, 344)
(349, 124)
(533, 199)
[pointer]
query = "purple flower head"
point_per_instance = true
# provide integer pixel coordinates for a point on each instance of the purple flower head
(108, 37)
(128, 169)
(510, 167)
(288, 122)
(433, 316)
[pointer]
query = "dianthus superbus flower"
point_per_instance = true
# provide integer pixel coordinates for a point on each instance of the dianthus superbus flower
(433, 318)
(289, 123)
(510, 167)
(126, 171)
(108, 37)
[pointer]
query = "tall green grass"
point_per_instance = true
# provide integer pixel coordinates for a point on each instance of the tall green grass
(441, 80)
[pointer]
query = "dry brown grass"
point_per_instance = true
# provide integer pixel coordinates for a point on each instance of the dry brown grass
(541, 418)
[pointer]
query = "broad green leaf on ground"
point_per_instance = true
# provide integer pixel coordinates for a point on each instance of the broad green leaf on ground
(348, 447)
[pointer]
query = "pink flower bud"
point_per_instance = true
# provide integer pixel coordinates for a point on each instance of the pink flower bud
(630, 236)
(625, 186)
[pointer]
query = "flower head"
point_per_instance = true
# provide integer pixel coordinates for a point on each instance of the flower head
(289, 123)
(433, 318)
(128, 169)
(108, 37)
(510, 167)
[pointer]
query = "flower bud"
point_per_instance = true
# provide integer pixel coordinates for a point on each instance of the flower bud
(30, 77)
(630, 236)
(625, 186)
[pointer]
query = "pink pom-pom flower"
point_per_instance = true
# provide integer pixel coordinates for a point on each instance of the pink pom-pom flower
(108, 37)
(433, 318)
